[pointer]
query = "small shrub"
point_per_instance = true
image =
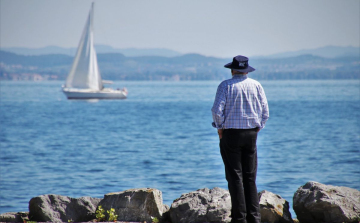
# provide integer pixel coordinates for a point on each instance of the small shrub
(112, 215)
(155, 220)
(100, 214)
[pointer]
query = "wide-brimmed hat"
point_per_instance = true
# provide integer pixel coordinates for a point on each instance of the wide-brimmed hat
(240, 63)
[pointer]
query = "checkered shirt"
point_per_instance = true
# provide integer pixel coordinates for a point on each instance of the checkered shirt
(240, 103)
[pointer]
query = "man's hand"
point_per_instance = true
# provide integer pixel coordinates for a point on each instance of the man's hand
(220, 133)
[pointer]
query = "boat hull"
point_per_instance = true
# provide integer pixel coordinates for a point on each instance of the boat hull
(90, 94)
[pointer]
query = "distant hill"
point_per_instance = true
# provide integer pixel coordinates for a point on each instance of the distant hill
(50, 60)
(327, 52)
(116, 66)
(40, 51)
(129, 52)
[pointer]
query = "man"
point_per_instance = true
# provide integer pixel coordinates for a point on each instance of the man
(239, 112)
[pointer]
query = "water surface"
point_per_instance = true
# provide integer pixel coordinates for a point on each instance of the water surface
(161, 137)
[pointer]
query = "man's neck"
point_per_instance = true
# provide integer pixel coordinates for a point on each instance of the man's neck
(239, 75)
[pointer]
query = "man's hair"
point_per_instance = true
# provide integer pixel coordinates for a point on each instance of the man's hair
(238, 72)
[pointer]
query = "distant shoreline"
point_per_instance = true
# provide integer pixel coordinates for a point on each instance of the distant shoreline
(188, 67)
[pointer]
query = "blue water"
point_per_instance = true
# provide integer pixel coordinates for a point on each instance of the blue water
(161, 137)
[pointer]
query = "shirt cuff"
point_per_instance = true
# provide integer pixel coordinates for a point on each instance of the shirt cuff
(214, 125)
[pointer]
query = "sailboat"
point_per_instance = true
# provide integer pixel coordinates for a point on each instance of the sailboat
(84, 79)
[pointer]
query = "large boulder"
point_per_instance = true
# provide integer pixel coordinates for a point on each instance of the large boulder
(14, 217)
(273, 208)
(203, 205)
(137, 205)
(315, 203)
(57, 208)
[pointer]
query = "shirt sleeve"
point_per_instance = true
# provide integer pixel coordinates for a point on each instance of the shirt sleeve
(265, 107)
(218, 108)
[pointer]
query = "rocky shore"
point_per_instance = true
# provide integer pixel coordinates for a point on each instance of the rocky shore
(313, 203)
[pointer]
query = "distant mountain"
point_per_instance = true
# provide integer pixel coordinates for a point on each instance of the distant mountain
(116, 66)
(327, 52)
(40, 51)
(129, 52)
(50, 60)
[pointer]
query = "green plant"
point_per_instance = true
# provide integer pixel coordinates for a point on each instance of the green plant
(100, 214)
(155, 220)
(70, 220)
(25, 219)
(112, 215)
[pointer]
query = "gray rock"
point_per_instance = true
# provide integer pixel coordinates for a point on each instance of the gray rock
(315, 202)
(136, 205)
(273, 208)
(203, 205)
(14, 217)
(166, 208)
(166, 214)
(57, 208)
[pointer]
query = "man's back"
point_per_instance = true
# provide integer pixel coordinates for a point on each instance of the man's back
(240, 104)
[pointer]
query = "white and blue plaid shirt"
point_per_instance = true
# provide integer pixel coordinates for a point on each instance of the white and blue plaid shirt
(240, 103)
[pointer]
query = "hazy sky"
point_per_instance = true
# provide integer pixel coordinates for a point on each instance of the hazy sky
(210, 27)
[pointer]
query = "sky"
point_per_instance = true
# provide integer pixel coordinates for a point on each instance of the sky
(221, 28)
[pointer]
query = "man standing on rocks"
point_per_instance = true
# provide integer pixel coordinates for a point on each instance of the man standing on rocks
(239, 112)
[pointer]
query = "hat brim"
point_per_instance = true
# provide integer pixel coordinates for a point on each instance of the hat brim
(246, 70)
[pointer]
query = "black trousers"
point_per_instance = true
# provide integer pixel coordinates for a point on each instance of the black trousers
(239, 153)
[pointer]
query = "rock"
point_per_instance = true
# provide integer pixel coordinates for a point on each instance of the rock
(316, 202)
(14, 217)
(273, 208)
(136, 205)
(57, 208)
(166, 214)
(166, 208)
(203, 205)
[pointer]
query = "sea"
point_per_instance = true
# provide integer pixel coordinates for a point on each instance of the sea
(161, 137)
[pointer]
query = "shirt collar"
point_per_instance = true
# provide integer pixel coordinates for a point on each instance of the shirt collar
(239, 76)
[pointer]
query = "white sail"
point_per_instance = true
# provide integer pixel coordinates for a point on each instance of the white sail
(84, 73)
(84, 79)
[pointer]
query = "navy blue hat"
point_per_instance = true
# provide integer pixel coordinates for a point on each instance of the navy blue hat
(240, 63)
